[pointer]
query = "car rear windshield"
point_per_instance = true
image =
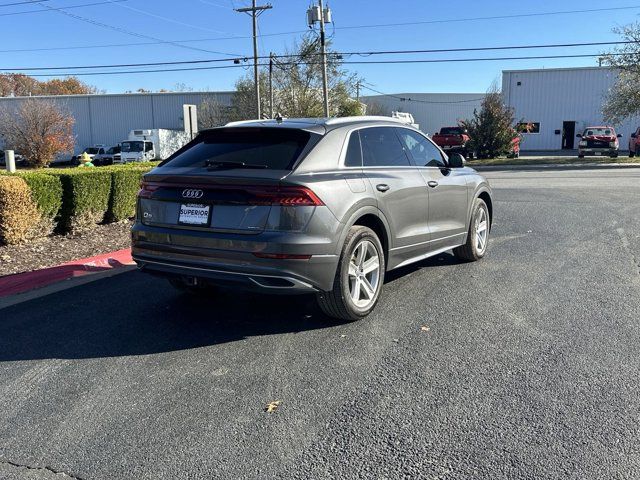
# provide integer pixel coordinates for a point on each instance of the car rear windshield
(451, 131)
(589, 132)
(272, 148)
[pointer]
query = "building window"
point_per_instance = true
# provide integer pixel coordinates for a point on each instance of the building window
(528, 127)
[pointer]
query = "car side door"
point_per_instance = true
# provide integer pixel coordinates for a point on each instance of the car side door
(448, 192)
(400, 189)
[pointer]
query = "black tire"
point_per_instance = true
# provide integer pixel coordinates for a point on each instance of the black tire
(632, 154)
(337, 303)
(201, 290)
(580, 156)
(470, 252)
(614, 155)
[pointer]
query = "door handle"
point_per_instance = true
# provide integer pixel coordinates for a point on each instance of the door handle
(432, 183)
(382, 187)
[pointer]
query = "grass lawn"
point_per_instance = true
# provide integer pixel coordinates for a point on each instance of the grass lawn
(550, 161)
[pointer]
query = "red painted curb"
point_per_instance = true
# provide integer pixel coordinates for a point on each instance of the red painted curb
(23, 282)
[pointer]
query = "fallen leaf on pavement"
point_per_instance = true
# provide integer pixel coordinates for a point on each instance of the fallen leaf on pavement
(424, 328)
(272, 406)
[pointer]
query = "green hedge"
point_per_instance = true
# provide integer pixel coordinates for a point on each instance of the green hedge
(125, 184)
(74, 199)
(85, 198)
(46, 192)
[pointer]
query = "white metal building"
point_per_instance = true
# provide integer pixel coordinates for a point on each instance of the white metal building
(560, 103)
(431, 111)
(108, 119)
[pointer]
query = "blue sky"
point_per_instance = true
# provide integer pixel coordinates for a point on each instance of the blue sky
(211, 19)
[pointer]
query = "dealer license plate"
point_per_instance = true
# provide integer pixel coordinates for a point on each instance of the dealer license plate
(447, 147)
(194, 214)
(598, 154)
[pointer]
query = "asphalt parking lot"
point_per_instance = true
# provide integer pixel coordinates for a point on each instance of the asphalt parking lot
(527, 365)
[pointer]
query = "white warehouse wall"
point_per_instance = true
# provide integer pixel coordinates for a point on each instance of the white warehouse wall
(553, 96)
(108, 119)
(431, 111)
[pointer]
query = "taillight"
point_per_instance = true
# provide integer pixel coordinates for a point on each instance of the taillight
(147, 189)
(284, 196)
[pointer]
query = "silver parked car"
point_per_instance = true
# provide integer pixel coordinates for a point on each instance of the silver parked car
(308, 205)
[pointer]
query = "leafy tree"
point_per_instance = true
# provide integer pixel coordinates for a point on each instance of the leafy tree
(623, 100)
(38, 129)
(297, 85)
(20, 85)
(491, 129)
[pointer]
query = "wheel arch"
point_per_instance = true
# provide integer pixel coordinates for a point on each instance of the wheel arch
(485, 196)
(374, 219)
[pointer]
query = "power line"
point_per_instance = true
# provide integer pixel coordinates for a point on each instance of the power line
(365, 53)
(493, 17)
(62, 11)
(372, 62)
(346, 27)
(171, 20)
(405, 99)
(38, 2)
(26, 2)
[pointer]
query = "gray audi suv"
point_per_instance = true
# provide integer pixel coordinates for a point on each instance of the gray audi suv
(324, 206)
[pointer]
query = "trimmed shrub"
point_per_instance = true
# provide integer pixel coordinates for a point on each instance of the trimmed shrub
(19, 215)
(46, 192)
(125, 183)
(85, 198)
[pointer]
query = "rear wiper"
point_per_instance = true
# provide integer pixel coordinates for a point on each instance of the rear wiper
(213, 164)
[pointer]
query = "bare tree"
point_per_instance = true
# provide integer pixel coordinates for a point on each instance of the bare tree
(212, 113)
(623, 100)
(38, 129)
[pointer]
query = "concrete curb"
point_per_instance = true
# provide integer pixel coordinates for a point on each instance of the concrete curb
(20, 283)
(62, 285)
(556, 166)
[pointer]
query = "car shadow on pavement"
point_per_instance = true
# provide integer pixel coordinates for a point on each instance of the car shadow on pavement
(136, 314)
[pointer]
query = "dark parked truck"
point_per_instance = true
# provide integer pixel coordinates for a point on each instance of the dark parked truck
(452, 139)
(634, 144)
(599, 141)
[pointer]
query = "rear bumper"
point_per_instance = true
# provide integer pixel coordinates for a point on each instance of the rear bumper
(232, 263)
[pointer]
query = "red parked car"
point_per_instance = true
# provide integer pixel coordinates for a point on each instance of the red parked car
(457, 139)
(599, 141)
(452, 139)
(634, 144)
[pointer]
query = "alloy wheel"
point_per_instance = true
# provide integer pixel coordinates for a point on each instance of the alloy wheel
(364, 274)
(482, 230)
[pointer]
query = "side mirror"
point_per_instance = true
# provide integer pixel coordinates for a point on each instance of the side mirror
(456, 160)
(633, 135)
(619, 135)
(579, 135)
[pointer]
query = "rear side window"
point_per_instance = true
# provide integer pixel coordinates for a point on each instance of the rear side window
(382, 148)
(354, 151)
(424, 153)
(275, 148)
(451, 131)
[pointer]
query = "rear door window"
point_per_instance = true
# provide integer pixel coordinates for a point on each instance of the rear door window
(271, 148)
(381, 147)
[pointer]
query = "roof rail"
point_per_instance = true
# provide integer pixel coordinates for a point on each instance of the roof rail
(362, 118)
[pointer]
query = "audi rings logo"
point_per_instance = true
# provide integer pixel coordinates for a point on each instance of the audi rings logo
(192, 193)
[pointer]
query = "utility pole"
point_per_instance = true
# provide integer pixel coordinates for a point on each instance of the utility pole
(358, 91)
(319, 14)
(271, 85)
(254, 11)
(323, 53)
